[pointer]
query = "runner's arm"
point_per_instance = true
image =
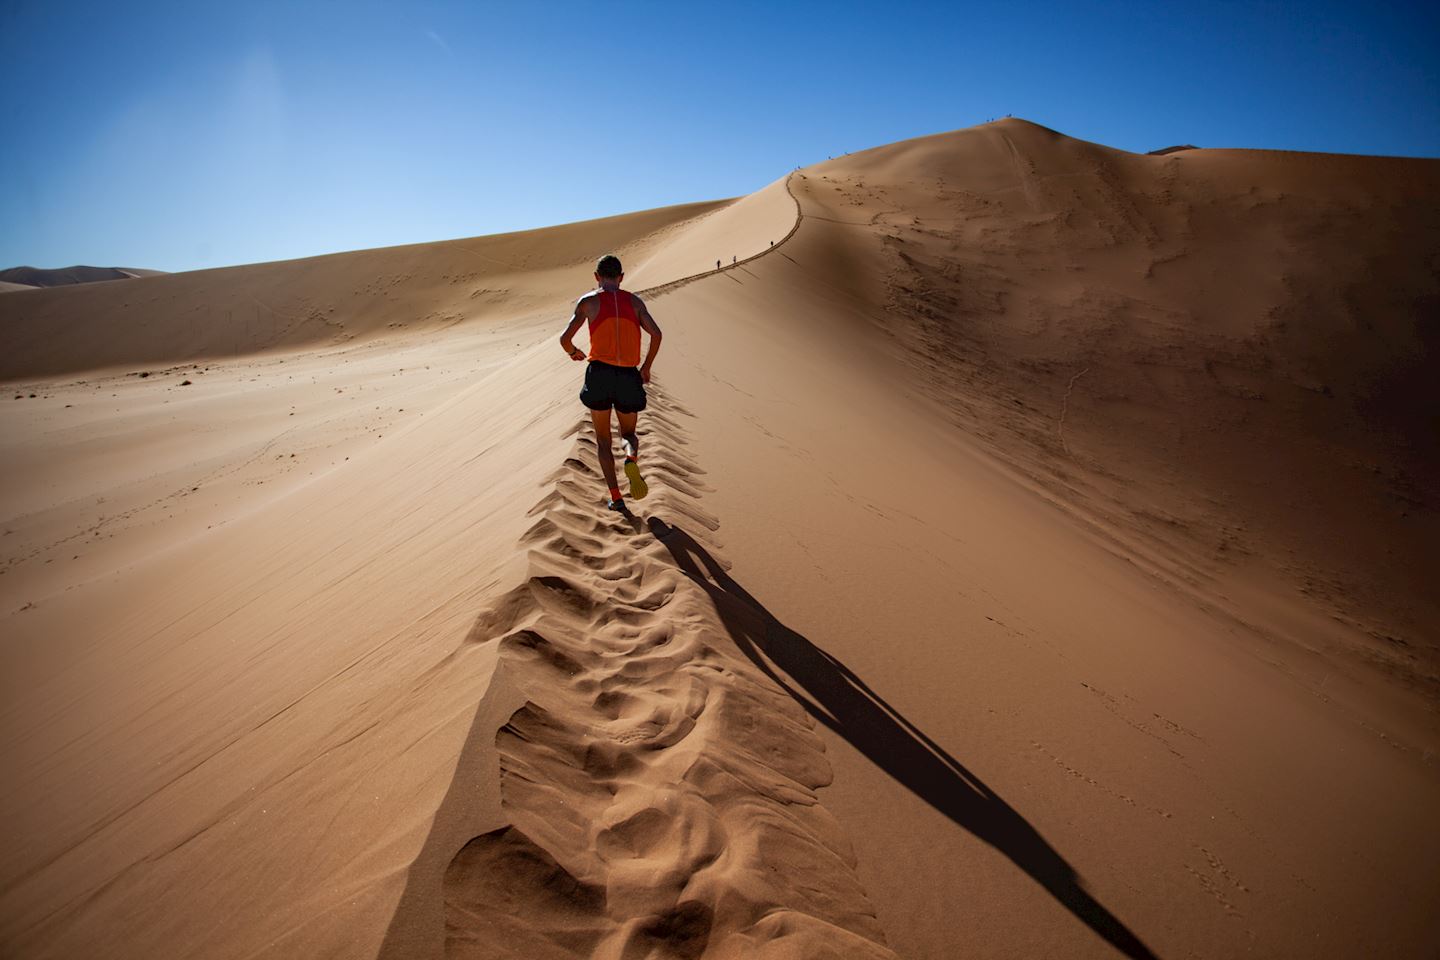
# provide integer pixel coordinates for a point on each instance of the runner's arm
(567, 338)
(648, 324)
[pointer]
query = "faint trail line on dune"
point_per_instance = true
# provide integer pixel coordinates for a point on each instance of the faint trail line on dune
(845, 223)
(295, 319)
(1016, 162)
(1065, 407)
(669, 285)
(476, 253)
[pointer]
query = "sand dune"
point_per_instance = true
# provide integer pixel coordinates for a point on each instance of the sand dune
(26, 277)
(1224, 353)
(346, 297)
(1034, 566)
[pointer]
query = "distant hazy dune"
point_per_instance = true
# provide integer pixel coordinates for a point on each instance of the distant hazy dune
(65, 276)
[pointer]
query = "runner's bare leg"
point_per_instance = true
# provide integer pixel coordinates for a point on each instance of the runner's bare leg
(627, 432)
(601, 419)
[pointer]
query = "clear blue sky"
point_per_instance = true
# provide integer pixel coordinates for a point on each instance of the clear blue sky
(186, 135)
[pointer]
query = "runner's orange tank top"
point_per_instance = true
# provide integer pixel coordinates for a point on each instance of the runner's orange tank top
(615, 331)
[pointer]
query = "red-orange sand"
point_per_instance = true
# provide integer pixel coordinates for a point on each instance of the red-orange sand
(1040, 561)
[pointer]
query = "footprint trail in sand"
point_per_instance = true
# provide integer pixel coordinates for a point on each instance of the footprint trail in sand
(661, 791)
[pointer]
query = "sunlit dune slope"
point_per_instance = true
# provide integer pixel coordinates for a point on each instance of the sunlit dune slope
(338, 298)
(740, 230)
(199, 612)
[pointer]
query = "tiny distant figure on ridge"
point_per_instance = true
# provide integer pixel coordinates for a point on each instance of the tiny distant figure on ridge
(717, 264)
(732, 259)
(615, 378)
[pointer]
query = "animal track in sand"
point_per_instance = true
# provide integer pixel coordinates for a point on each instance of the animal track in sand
(660, 789)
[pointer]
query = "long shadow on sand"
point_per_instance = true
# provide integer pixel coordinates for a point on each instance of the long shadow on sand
(841, 701)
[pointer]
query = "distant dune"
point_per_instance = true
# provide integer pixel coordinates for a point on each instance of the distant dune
(343, 297)
(1037, 563)
(65, 276)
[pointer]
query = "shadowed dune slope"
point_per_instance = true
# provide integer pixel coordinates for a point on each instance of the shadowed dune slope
(1226, 357)
(974, 610)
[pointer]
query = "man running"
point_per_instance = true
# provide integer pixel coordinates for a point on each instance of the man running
(615, 319)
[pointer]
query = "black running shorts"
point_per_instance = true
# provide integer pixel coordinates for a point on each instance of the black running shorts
(608, 386)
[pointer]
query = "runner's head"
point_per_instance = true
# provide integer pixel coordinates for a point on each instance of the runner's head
(608, 268)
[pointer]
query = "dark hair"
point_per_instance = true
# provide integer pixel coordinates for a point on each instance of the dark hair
(609, 266)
